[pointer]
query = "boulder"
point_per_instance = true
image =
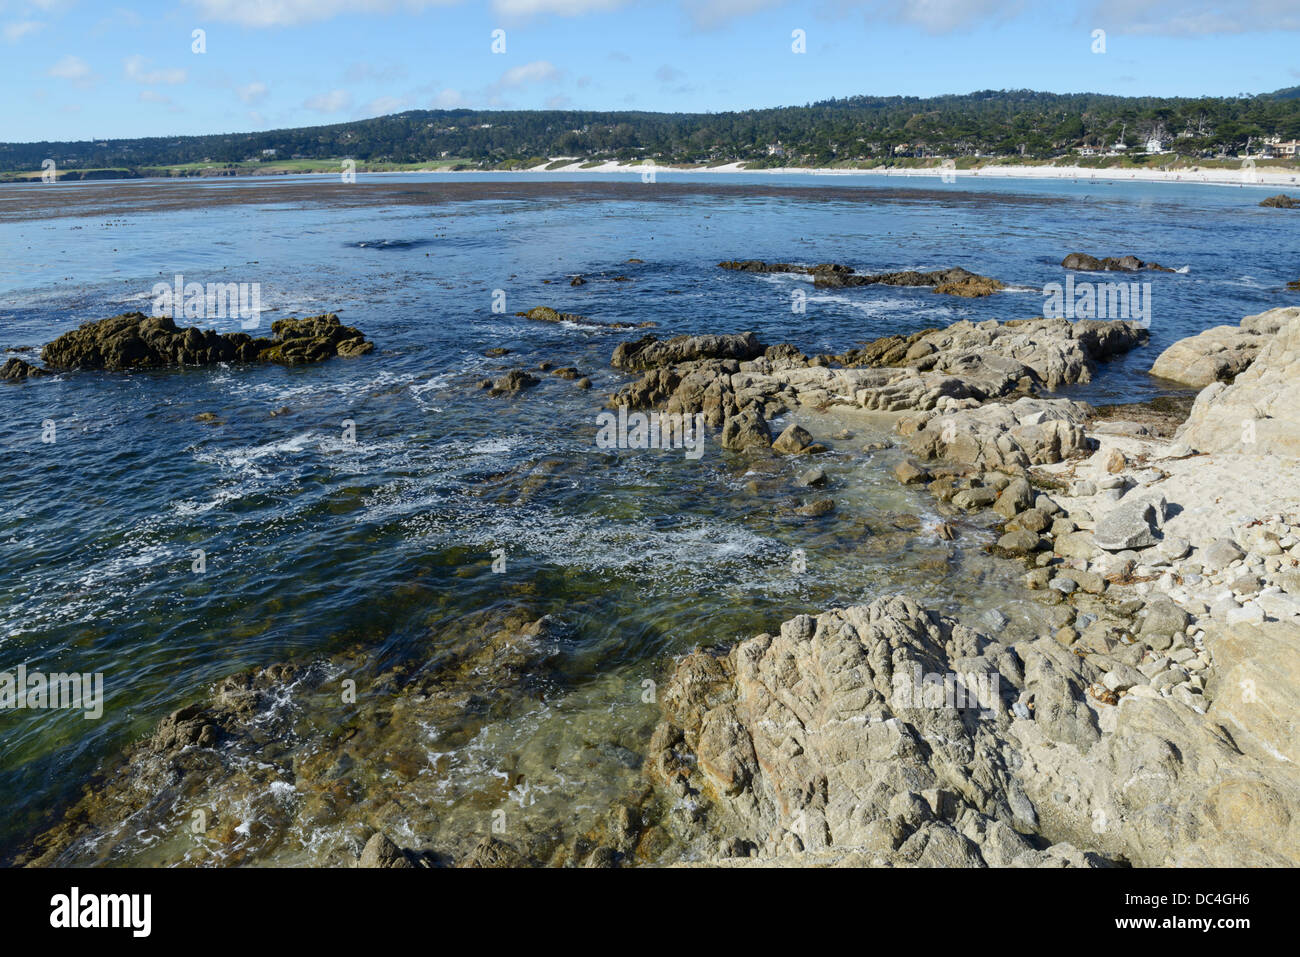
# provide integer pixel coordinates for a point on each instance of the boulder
(794, 440)
(1255, 415)
(1131, 524)
(746, 430)
(1222, 353)
(15, 370)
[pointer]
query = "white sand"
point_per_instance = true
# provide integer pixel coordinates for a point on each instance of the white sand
(1263, 177)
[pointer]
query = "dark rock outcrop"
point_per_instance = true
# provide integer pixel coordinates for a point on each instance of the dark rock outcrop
(547, 314)
(15, 370)
(1087, 263)
(955, 281)
(136, 341)
(1281, 201)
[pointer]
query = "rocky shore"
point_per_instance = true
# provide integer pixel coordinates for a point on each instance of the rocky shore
(1155, 727)
(1153, 722)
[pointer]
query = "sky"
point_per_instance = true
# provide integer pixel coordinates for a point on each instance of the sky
(96, 69)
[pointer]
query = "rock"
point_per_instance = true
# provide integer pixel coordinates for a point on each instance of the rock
(812, 741)
(650, 352)
(816, 508)
(515, 380)
(1173, 548)
(547, 314)
(813, 478)
(493, 853)
(1076, 545)
(909, 473)
(1087, 263)
(794, 440)
(1131, 524)
(1220, 553)
(583, 383)
(1017, 497)
(955, 281)
(15, 370)
(381, 852)
(136, 341)
(1031, 520)
(1018, 543)
(974, 498)
(1219, 354)
(1255, 414)
(1281, 201)
(1161, 617)
(747, 430)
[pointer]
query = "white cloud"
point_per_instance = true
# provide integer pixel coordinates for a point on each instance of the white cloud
(449, 100)
(384, 105)
(71, 68)
(562, 8)
(336, 101)
(539, 71)
(712, 12)
(252, 92)
(18, 29)
(136, 69)
(1194, 17)
(284, 13)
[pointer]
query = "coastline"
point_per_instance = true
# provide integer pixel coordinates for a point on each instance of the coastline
(1264, 178)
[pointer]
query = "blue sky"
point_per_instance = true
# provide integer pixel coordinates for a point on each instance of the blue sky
(83, 69)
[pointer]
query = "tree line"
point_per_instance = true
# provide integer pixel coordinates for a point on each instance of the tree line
(989, 123)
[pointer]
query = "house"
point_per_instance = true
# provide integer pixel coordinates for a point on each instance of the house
(1087, 151)
(268, 153)
(1291, 148)
(775, 149)
(1155, 144)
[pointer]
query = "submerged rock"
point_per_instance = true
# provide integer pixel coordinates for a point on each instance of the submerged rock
(547, 314)
(136, 341)
(1086, 263)
(1281, 201)
(955, 281)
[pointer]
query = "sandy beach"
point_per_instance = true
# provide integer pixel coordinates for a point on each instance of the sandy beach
(1263, 177)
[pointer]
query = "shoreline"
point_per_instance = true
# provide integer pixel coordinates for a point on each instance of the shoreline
(1264, 178)
(1267, 178)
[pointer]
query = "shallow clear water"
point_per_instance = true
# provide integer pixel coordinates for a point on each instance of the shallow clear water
(315, 544)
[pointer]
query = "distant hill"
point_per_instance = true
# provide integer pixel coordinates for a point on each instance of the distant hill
(990, 122)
